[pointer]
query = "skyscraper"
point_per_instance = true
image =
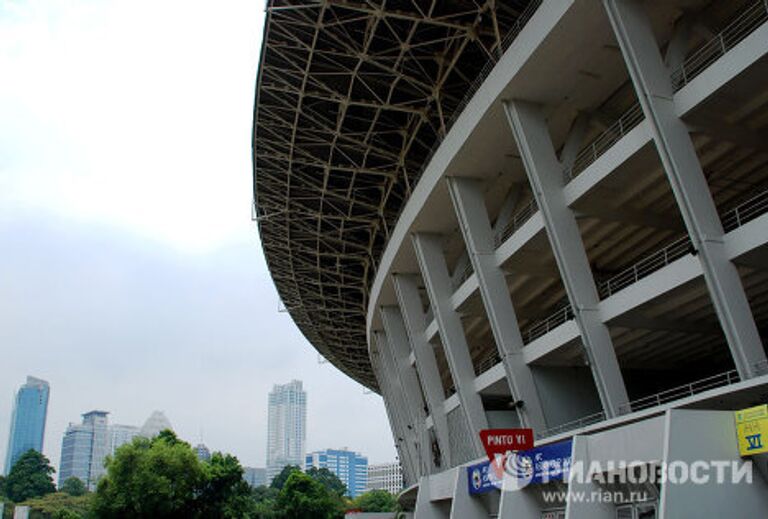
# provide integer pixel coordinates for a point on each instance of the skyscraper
(286, 423)
(30, 409)
(84, 448)
(350, 467)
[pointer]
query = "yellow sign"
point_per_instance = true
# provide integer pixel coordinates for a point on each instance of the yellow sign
(752, 430)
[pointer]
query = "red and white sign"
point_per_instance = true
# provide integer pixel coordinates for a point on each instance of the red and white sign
(499, 442)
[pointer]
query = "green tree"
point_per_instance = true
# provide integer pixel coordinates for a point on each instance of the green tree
(73, 486)
(163, 479)
(304, 498)
(224, 493)
(2, 486)
(31, 476)
(279, 481)
(157, 478)
(328, 479)
(375, 501)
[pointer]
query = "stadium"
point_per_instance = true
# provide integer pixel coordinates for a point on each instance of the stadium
(549, 214)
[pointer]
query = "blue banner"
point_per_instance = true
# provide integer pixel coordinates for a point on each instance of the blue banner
(534, 466)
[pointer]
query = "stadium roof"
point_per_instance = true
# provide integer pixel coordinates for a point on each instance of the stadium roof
(351, 99)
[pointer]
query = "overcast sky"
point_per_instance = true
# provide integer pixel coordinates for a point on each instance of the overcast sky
(131, 275)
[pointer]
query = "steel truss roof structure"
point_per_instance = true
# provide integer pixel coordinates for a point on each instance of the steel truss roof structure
(351, 98)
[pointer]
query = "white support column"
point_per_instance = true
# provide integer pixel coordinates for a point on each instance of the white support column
(400, 401)
(468, 201)
(545, 174)
(437, 281)
(400, 349)
(408, 298)
(391, 407)
(634, 33)
(463, 505)
(425, 507)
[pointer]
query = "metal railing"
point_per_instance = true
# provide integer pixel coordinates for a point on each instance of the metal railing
(517, 221)
(543, 327)
(610, 136)
(487, 362)
(570, 426)
(472, 88)
(663, 397)
(463, 276)
(698, 61)
(646, 266)
(734, 33)
(736, 217)
(670, 395)
(746, 211)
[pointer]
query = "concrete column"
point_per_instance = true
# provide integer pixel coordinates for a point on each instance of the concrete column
(391, 406)
(715, 439)
(437, 280)
(463, 505)
(585, 508)
(400, 349)
(400, 400)
(475, 225)
(634, 33)
(425, 507)
(545, 174)
(408, 298)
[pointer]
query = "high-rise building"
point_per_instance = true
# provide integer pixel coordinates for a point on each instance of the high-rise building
(255, 477)
(350, 467)
(30, 409)
(286, 424)
(119, 435)
(540, 214)
(84, 449)
(202, 451)
(385, 476)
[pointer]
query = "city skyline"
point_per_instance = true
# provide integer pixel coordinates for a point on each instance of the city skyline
(167, 307)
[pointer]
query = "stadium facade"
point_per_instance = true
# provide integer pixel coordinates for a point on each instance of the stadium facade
(547, 213)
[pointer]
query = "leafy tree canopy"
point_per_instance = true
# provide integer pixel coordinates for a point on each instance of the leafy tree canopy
(279, 481)
(328, 479)
(224, 493)
(163, 479)
(73, 486)
(31, 476)
(305, 498)
(375, 501)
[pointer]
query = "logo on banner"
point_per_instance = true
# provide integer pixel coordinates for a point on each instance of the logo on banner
(515, 470)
